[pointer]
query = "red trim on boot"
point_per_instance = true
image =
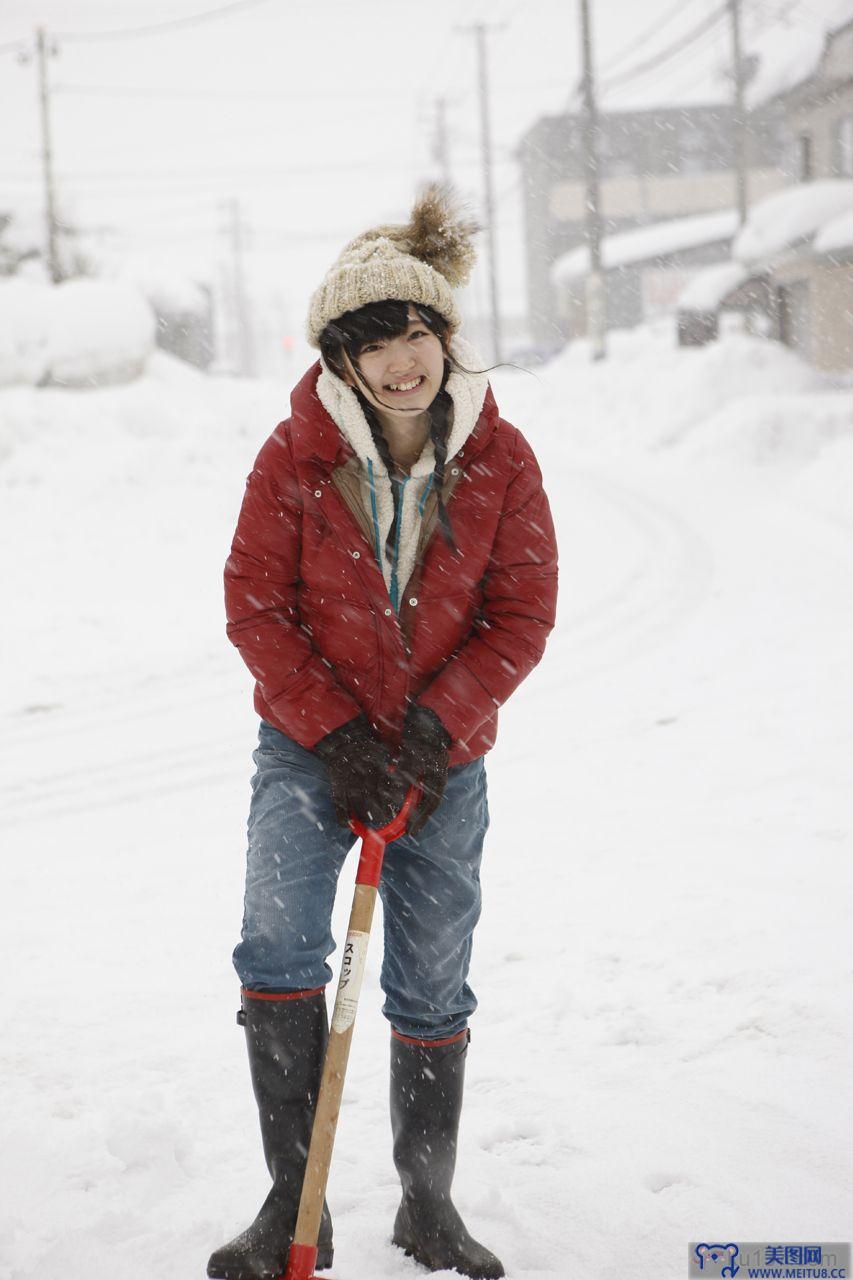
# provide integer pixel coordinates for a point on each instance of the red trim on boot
(280, 995)
(429, 1044)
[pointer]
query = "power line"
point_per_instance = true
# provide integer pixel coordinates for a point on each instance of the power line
(231, 172)
(667, 54)
(684, 78)
(633, 46)
(207, 95)
(155, 28)
(281, 238)
(16, 46)
(675, 85)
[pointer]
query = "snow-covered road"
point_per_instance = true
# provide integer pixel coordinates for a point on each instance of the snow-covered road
(663, 1047)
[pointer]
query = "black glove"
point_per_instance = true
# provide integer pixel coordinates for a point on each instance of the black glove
(423, 761)
(359, 771)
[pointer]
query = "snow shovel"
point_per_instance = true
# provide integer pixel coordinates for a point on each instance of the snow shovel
(303, 1252)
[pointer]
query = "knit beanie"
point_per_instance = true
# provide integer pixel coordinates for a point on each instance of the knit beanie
(420, 261)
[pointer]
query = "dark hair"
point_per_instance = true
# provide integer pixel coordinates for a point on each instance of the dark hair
(351, 333)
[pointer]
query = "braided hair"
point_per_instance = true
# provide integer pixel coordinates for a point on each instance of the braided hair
(381, 320)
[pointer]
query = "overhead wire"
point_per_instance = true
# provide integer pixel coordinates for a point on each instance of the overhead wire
(666, 55)
(207, 95)
(124, 33)
(673, 86)
(643, 39)
(156, 28)
(228, 174)
(272, 95)
(281, 238)
(15, 46)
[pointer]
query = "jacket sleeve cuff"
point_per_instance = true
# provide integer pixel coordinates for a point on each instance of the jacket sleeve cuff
(460, 702)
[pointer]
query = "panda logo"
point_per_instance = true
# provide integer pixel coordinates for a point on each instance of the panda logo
(726, 1253)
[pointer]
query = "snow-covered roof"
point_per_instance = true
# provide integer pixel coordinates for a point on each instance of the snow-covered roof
(654, 241)
(790, 52)
(836, 234)
(710, 286)
(790, 216)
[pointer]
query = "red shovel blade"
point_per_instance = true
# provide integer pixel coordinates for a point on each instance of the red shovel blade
(300, 1263)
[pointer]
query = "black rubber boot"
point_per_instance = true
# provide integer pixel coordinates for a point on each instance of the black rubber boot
(286, 1041)
(426, 1102)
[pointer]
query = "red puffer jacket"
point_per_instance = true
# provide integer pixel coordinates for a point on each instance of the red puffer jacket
(309, 611)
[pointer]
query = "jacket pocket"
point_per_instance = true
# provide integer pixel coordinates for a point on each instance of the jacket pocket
(344, 635)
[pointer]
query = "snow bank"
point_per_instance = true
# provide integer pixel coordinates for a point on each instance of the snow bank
(791, 215)
(121, 466)
(169, 290)
(654, 241)
(23, 331)
(823, 487)
(770, 428)
(82, 333)
(98, 333)
(650, 394)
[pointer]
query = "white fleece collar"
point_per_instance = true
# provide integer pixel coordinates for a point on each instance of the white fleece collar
(467, 391)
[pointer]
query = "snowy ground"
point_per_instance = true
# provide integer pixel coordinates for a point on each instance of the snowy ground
(663, 1048)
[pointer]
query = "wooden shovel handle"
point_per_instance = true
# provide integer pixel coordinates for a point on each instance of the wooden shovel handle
(335, 1066)
(374, 842)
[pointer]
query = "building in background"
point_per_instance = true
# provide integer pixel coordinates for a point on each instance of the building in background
(811, 275)
(793, 261)
(818, 110)
(645, 270)
(656, 165)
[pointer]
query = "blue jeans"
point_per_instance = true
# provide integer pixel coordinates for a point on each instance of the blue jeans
(430, 890)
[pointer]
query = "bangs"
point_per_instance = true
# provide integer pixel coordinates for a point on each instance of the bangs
(379, 321)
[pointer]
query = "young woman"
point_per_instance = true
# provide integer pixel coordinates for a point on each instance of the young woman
(391, 582)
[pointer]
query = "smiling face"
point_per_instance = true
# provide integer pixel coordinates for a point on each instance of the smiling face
(403, 374)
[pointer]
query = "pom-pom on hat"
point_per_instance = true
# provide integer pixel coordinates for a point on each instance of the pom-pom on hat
(422, 260)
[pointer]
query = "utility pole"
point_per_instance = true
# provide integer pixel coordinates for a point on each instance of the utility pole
(595, 297)
(480, 29)
(739, 78)
(245, 344)
(47, 156)
(43, 50)
(440, 142)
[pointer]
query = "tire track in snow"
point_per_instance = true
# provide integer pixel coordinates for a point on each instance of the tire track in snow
(126, 747)
(131, 779)
(212, 679)
(663, 570)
